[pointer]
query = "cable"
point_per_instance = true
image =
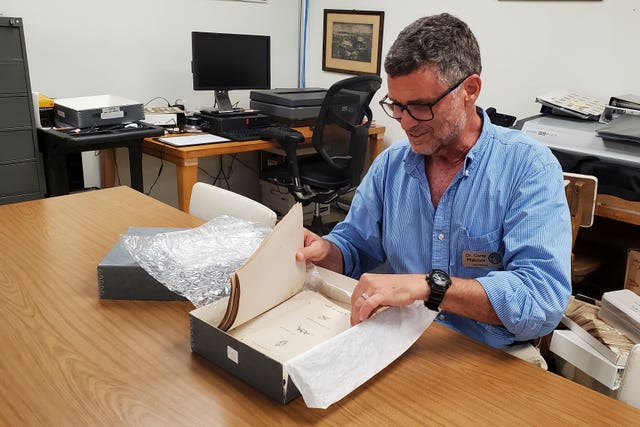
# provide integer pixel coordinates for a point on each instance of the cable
(148, 193)
(221, 172)
(230, 171)
(158, 97)
(235, 157)
(206, 173)
(115, 165)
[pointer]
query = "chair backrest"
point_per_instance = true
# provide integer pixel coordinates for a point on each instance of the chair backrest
(581, 191)
(209, 201)
(341, 132)
(629, 391)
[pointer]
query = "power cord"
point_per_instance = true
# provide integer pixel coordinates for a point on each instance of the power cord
(158, 97)
(224, 176)
(148, 193)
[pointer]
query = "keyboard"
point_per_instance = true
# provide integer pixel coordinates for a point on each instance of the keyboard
(242, 134)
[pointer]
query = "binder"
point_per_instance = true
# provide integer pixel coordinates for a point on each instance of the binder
(626, 101)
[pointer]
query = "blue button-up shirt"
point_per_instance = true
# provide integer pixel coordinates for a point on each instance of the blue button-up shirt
(503, 220)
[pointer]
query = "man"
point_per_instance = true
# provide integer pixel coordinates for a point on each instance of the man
(469, 217)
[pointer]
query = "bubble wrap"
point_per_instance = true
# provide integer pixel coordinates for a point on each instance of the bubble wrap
(197, 263)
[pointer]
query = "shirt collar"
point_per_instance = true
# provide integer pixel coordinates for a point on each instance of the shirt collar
(414, 161)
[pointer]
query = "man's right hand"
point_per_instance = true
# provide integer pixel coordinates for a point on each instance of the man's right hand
(320, 252)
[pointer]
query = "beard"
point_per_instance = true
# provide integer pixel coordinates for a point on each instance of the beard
(427, 140)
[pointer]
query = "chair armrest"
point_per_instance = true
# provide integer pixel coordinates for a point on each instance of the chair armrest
(289, 140)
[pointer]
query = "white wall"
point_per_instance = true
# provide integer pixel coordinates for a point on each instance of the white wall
(141, 49)
(528, 47)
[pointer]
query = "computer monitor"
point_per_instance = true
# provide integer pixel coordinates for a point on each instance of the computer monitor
(223, 62)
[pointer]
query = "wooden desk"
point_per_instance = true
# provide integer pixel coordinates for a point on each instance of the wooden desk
(186, 158)
(69, 358)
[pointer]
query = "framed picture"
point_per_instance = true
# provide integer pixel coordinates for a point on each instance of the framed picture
(352, 41)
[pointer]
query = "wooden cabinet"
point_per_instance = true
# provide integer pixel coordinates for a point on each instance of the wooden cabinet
(21, 174)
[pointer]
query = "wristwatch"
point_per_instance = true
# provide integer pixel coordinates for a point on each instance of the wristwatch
(439, 281)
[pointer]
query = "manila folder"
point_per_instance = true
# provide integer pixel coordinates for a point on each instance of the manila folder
(270, 276)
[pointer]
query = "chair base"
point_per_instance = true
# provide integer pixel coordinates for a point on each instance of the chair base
(319, 227)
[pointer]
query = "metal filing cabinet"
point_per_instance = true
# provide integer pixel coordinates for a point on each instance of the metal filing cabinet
(21, 173)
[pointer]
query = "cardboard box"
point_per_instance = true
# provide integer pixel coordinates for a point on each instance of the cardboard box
(632, 276)
(121, 277)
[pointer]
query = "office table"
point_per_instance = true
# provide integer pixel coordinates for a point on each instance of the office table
(69, 358)
(578, 137)
(186, 158)
(56, 145)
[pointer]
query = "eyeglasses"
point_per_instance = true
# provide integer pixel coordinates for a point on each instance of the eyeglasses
(422, 112)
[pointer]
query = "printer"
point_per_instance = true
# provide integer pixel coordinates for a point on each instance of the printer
(291, 107)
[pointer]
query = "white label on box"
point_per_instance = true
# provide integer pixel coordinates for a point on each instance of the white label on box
(232, 354)
(111, 113)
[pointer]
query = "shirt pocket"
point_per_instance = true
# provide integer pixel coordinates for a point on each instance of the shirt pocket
(476, 256)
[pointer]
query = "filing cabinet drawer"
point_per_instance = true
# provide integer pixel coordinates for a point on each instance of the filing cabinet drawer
(11, 46)
(19, 178)
(14, 112)
(13, 78)
(17, 145)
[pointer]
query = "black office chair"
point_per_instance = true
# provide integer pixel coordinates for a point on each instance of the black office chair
(340, 137)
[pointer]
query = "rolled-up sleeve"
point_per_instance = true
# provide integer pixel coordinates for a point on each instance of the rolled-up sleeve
(530, 294)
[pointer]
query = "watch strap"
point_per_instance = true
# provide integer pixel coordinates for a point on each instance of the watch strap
(435, 298)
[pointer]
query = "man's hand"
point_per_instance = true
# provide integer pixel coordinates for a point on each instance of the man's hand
(375, 291)
(320, 252)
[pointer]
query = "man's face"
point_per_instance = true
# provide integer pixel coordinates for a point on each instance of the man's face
(423, 86)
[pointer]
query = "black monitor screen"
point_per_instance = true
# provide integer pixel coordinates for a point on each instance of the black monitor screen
(230, 61)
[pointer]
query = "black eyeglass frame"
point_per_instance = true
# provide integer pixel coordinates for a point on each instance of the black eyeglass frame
(406, 107)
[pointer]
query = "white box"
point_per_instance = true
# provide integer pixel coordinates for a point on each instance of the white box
(567, 345)
(621, 309)
(87, 111)
(619, 359)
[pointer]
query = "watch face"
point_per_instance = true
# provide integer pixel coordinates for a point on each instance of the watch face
(440, 279)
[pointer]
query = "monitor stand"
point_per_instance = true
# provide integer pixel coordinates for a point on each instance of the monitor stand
(222, 101)
(225, 108)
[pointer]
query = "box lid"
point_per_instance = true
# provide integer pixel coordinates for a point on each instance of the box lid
(92, 102)
(293, 97)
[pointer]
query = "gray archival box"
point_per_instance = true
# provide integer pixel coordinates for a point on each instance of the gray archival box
(121, 277)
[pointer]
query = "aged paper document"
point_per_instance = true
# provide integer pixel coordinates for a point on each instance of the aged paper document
(295, 326)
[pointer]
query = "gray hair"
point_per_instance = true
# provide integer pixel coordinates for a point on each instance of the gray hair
(443, 41)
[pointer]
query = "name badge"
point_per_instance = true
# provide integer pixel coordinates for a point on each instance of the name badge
(481, 259)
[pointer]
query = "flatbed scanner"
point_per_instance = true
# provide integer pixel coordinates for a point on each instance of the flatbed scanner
(291, 106)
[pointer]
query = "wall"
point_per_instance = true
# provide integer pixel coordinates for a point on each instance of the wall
(141, 50)
(528, 47)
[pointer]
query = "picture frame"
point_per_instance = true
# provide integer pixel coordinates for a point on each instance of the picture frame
(352, 41)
